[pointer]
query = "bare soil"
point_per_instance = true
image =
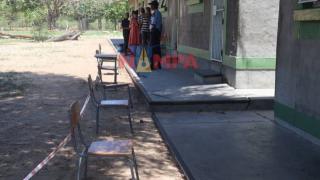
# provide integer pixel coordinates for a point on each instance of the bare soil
(38, 83)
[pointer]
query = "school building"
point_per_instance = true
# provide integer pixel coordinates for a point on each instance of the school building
(298, 64)
(233, 39)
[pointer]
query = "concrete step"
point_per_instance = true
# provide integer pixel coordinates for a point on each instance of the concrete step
(206, 76)
(212, 105)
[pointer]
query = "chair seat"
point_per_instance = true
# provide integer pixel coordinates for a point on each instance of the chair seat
(107, 56)
(114, 103)
(111, 148)
(110, 73)
(108, 68)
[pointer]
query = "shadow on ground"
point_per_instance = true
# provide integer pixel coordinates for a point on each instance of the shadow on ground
(34, 121)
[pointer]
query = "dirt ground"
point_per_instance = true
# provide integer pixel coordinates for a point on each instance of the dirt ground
(38, 83)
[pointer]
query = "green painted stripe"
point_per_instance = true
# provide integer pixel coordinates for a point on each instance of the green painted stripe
(201, 53)
(255, 63)
(300, 120)
(196, 8)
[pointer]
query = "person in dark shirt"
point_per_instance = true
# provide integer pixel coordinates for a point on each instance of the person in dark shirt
(126, 31)
(155, 34)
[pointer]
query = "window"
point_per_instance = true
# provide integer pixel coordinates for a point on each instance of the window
(305, 4)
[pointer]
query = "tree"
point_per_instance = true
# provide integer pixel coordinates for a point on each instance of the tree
(100, 10)
(84, 11)
(115, 11)
(54, 8)
(9, 10)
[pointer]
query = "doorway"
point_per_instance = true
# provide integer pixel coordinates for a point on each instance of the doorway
(217, 29)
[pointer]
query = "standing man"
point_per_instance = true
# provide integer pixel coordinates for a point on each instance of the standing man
(144, 27)
(125, 31)
(155, 34)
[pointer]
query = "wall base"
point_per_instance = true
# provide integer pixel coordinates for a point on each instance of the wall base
(249, 79)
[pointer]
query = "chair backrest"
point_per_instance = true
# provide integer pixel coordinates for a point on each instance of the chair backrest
(74, 116)
(91, 90)
(76, 134)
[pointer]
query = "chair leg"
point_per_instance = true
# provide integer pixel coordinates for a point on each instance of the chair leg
(131, 164)
(97, 120)
(99, 72)
(104, 93)
(130, 119)
(135, 164)
(115, 72)
(79, 168)
(86, 167)
(130, 98)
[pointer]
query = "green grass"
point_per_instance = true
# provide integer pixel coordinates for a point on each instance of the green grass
(13, 41)
(29, 32)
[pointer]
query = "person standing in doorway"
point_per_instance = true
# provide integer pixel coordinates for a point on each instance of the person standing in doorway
(125, 32)
(155, 34)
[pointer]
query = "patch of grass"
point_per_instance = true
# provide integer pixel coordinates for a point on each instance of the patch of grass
(12, 84)
(13, 41)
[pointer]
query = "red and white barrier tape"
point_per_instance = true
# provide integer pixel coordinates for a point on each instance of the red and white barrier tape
(48, 158)
(54, 152)
(85, 105)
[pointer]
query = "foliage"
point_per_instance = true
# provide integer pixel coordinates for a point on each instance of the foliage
(54, 8)
(116, 10)
(41, 13)
(9, 10)
(37, 17)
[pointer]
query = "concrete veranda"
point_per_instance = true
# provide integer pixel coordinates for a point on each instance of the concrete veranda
(238, 145)
(219, 143)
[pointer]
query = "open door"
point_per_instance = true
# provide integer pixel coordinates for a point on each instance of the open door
(217, 28)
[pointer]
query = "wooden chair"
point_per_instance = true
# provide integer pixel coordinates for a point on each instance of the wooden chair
(110, 70)
(106, 148)
(107, 103)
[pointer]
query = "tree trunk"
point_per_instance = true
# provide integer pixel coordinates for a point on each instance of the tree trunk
(100, 24)
(86, 24)
(83, 24)
(54, 23)
(74, 35)
(79, 24)
(115, 24)
(50, 19)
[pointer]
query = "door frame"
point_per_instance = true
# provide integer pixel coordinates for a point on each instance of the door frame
(176, 23)
(223, 36)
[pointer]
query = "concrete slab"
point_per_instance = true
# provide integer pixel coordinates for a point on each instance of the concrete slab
(213, 92)
(237, 145)
(167, 87)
